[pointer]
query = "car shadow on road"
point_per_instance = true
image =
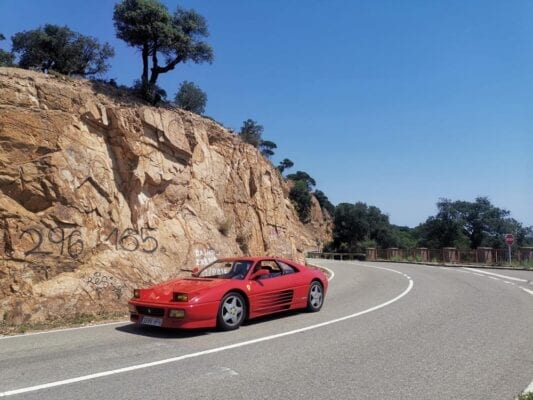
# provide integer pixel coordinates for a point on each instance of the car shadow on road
(163, 333)
(273, 317)
(166, 333)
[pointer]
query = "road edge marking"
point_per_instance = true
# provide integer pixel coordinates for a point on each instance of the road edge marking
(512, 278)
(214, 350)
(63, 329)
(331, 273)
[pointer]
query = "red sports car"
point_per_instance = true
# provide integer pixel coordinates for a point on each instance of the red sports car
(228, 291)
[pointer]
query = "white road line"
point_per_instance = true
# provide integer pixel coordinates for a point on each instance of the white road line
(459, 270)
(527, 291)
(210, 351)
(511, 278)
(492, 277)
(331, 273)
(475, 273)
(63, 329)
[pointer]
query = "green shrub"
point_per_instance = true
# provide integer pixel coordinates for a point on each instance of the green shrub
(301, 199)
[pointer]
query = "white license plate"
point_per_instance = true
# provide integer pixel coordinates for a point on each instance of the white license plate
(151, 321)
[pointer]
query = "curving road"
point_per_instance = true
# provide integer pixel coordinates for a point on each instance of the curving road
(395, 331)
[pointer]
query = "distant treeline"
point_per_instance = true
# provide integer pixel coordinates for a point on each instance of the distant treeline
(460, 224)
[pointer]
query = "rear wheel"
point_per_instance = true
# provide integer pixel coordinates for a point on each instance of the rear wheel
(231, 312)
(315, 298)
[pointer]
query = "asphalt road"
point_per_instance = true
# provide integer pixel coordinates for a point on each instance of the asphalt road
(417, 333)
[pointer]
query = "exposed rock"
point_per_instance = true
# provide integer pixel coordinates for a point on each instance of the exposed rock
(100, 194)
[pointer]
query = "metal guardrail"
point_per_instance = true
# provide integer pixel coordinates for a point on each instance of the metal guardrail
(449, 255)
(338, 256)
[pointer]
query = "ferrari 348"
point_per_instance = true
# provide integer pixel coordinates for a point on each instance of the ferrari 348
(227, 292)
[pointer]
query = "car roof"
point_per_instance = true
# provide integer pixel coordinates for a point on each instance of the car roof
(253, 259)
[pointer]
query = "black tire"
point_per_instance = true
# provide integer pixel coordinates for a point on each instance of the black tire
(232, 311)
(315, 297)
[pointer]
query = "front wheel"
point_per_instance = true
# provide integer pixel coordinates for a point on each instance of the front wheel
(231, 312)
(315, 298)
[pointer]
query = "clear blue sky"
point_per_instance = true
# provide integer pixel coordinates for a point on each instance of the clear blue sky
(393, 103)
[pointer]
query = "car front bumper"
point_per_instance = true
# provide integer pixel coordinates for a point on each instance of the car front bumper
(199, 315)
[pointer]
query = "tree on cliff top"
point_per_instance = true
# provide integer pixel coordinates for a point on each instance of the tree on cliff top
(58, 48)
(191, 98)
(6, 58)
(302, 176)
(267, 148)
(148, 26)
(251, 132)
(285, 164)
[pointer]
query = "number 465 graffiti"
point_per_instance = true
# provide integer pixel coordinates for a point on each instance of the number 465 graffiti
(129, 240)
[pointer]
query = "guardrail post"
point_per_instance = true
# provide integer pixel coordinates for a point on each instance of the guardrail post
(525, 254)
(393, 252)
(484, 255)
(422, 254)
(371, 253)
(449, 254)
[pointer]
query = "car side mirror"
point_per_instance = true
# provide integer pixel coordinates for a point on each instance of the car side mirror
(258, 274)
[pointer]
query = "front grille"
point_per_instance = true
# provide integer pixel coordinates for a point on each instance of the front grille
(154, 311)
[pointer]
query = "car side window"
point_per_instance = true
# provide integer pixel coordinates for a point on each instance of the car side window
(286, 268)
(273, 267)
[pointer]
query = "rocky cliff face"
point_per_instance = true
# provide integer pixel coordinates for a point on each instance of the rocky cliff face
(100, 194)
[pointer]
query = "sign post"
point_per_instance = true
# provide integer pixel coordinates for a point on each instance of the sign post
(509, 239)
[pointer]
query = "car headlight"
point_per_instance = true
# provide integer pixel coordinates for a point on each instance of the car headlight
(180, 297)
(132, 308)
(176, 313)
(136, 293)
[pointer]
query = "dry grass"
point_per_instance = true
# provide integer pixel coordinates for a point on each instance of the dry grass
(79, 320)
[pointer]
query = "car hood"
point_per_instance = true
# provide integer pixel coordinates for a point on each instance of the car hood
(191, 286)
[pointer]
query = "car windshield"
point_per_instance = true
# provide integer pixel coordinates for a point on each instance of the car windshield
(226, 270)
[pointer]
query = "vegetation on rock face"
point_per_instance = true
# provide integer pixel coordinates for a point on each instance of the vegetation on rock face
(191, 98)
(300, 194)
(6, 58)
(301, 199)
(156, 91)
(60, 49)
(148, 26)
(324, 202)
(251, 132)
(266, 147)
(304, 177)
(284, 165)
